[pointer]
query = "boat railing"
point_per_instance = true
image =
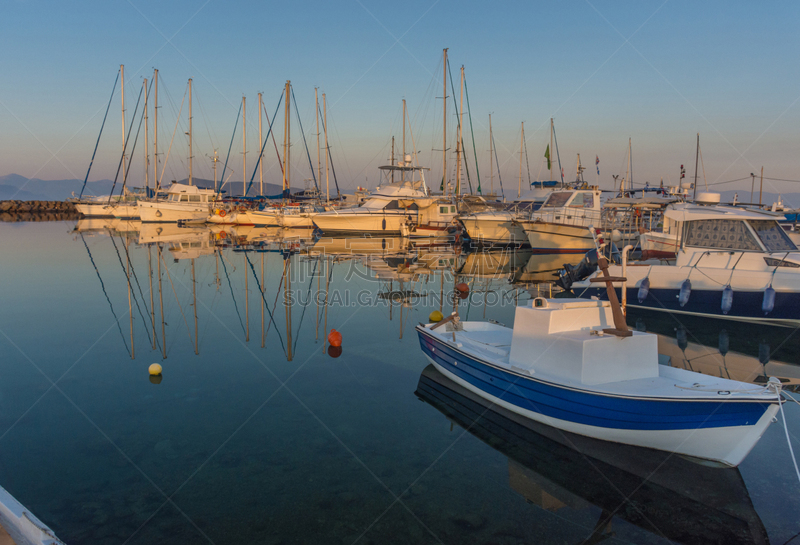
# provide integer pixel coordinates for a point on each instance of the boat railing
(568, 216)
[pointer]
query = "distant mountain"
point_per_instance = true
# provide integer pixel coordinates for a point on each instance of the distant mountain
(14, 186)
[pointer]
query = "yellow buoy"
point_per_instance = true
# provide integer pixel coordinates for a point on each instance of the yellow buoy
(155, 369)
(436, 316)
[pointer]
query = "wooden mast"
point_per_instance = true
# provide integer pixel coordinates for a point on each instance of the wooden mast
(316, 116)
(404, 129)
(286, 139)
(122, 72)
(146, 145)
(550, 159)
(244, 147)
(190, 131)
(491, 152)
(161, 306)
(521, 142)
(155, 131)
(459, 150)
(261, 152)
(327, 151)
(194, 304)
(444, 126)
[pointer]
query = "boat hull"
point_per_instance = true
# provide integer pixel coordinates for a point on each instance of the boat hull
(384, 223)
(558, 238)
(494, 229)
(723, 432)
(168, 212)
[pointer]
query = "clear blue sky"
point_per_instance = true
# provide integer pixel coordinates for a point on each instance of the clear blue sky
(657, 72)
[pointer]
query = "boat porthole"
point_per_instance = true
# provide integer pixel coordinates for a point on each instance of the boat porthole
(724, 393)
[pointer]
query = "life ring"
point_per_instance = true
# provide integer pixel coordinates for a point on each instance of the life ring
(242, 209)
(222, 213)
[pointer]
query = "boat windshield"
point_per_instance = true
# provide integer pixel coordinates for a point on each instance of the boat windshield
(557, 199)
(773, 236)
(721, 234)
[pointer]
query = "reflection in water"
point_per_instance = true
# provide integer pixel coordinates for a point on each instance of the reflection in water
(665, 495)
(734, 350)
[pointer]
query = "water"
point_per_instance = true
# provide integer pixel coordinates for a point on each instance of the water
(284, 443)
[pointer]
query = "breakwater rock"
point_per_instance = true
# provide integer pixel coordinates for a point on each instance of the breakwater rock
(37, 211)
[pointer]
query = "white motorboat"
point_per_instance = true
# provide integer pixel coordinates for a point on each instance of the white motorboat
(562, 224)
(183, 203)
(497, 227)
(731, 263)
(388, 208)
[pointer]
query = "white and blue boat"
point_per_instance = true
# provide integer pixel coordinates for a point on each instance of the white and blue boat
(730, 263)
(569, 364)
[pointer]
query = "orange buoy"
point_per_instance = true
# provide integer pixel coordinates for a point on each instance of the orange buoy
(334, 351)
(335, 338)
(463, 290)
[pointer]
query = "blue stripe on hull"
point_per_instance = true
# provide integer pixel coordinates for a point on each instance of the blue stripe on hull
(581, 407)
(746, 304)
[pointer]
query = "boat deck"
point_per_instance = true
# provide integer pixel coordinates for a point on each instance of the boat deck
(492, 344)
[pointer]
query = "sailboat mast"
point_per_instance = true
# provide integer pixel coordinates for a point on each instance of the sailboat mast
(696, 159)
(391, 158)
(287, 270)
(261, 153)
(325, 122)
(550, 160)
(444, 125)
(244, 147)
(146, 145)
(130, 306)
(404, 129)
(152, 303)
(459, 149)
(122, 73)
(521, 144)
(190, 131)
(155, 132)
(630, 164)
(316, 116)
(491, 152)
(286, 138)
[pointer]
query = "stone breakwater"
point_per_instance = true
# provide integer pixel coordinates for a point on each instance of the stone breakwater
(37, 211)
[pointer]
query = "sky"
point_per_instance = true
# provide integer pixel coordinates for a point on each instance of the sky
(657, 72)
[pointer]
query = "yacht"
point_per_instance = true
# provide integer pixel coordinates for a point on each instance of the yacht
(562, 223)
(393, 203)
(730, 263)
(493, 227)
(183, 203)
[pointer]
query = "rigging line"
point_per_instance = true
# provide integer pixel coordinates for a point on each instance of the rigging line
(736, 180)
(169, 277)
(225, 166)
(141, 294)
(274, 143)
(527, 163)
(558, 155)
(269, 131)
(102, 284)
(458, 125)
(91, 162)
(330, 157)
(205, 120)
(124, 149)
(169, 149)
(135, 300)
(274, 303)
(308, 301)
(303, 134)
(135, 140)
(499, 177)
(258, 285)
(472, 132)
(236, 306)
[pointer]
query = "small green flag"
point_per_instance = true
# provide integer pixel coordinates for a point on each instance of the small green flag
(441, 187)
(547, 156)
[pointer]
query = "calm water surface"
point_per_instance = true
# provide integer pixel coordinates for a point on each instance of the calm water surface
(257, 434)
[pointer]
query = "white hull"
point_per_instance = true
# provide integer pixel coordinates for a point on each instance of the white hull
(494, 228)
(361, 221)
(555, 237)
(171, 212)
(726, 445)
